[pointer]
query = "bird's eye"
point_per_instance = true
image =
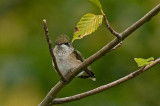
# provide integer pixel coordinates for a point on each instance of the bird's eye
(66, 43)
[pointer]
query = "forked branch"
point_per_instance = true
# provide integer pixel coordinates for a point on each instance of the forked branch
(114, 42)
(105, 87)
(50, 98)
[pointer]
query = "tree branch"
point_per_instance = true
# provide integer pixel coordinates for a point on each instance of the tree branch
(47, 101)
(110, 28)
(117, 46)
(114, 42)
(52, 94)
(50, 49)
(105, 87)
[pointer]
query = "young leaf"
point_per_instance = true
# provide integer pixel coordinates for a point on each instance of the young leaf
(143, 62)
(87, 25)
(97, 3)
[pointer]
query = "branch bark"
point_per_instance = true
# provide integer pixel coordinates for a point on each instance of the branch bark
(50, 49)
(105, 87)
(52, 94)
(110, 28)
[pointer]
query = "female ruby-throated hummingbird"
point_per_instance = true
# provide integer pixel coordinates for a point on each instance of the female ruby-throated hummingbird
(68, 58)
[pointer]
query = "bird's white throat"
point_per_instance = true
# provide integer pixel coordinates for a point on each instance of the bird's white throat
(62, 50)
(63, 58)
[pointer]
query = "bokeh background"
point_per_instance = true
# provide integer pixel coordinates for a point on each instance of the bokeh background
(26, 72)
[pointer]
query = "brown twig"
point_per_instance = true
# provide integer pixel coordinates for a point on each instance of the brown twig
(117, 46)
(110, 28)
(50, 49)
(105, 87)
(54, 91)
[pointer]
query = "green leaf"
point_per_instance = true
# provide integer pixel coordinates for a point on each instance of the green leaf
(143, 62)
(97, 3)
(87, 25)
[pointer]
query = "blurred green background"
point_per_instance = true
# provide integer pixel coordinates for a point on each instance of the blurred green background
(26, 73)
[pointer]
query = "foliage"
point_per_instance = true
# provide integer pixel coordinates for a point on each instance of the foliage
(143, 62)
(97, 3)
(88, 23)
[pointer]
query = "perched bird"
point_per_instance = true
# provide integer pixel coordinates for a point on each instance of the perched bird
(68, 58)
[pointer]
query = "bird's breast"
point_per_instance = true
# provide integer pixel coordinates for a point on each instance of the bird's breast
(66, 64)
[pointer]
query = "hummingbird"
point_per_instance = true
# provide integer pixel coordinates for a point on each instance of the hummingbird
(68, 58)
